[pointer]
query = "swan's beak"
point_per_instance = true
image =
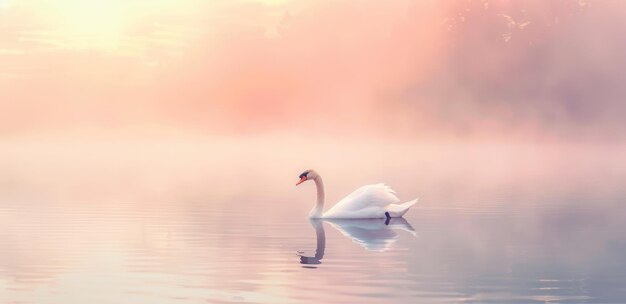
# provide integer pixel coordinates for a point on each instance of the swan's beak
(302, 180)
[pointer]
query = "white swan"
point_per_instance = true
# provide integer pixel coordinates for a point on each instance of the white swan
(371, 201)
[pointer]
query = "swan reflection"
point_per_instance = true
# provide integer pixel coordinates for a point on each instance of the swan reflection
(371, 234)
(321, 244)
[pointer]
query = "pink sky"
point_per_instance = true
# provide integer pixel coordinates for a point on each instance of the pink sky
(426, 68)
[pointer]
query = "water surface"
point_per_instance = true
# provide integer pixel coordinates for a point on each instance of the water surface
(478, 239)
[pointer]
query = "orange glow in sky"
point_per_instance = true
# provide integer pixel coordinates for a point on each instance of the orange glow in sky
(366, 67)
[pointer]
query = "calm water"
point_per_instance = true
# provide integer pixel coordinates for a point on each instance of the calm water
(530, 239)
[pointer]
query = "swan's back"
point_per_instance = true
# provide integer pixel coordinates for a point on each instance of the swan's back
(363, 200)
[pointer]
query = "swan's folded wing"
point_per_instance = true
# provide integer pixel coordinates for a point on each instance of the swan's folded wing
(378, 195)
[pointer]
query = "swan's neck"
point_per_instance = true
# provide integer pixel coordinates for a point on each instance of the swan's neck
(318, 210)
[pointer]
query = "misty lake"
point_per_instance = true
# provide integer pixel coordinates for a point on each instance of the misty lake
(200, 223)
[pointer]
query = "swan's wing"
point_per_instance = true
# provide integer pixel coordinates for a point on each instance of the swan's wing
(378, 196)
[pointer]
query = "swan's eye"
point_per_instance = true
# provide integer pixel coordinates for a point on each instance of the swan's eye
(304, 174)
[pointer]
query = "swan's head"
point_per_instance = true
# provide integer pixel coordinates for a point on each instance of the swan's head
(307, 175)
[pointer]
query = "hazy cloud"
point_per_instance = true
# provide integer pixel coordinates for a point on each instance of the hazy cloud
(429, 68)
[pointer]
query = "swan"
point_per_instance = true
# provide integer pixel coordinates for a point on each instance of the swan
(371, 201)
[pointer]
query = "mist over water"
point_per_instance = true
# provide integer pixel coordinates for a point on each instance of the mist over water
(144, 170)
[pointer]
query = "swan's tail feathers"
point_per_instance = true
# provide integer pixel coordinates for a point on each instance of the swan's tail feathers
(398, 210)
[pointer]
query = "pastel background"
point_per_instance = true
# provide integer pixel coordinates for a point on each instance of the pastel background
(417, 69)
(149, 149)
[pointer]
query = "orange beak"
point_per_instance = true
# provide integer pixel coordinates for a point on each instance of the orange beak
(302, 180)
